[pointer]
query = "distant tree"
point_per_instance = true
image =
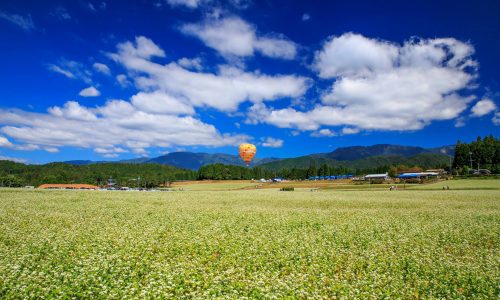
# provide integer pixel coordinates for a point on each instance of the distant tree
(393, 171)
(11, 180)
(461, 158)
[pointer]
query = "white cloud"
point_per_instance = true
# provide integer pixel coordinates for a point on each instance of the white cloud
(27, 147)
(350, 130)
(483, 107)
(118, 123)
(5, 143)
(122, 80)
(25, 22)
(187, 3)
(60, 70)
(143, 48)
(211, 4)
(224, 90)
(90, 92)
(232, 36)
(159, 102)
(102, 68)
(383, 86)
(14, 159)
(73, 111)
(71, 69)
(111, 152)
(192, 64)
(272, 142)
(51, 149)
(354, 55)
(306, 17)
(323, 133)
(496, 119)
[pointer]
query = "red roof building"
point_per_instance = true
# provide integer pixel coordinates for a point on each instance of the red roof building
(69, 186)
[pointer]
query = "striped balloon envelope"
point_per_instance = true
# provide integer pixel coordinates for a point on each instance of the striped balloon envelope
(247, 152)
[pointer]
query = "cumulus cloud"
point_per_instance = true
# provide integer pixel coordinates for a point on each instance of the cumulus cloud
(192, 64)
(101, 68)
(323, 133)
(90, 92)
(118, 124)
(378, 85)
(354, 55)
(483, 107)
(73, 111)
(24, 22)
(272, 142)
(223, 90)
(4, 142)
(232, 36)
(159, 102)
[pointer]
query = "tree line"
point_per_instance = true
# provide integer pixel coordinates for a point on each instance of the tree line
(483, 153)
(132, 175)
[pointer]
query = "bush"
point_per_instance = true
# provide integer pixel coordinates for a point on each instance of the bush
(287, 189)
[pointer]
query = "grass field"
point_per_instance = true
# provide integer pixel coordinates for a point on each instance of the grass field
(251, 243)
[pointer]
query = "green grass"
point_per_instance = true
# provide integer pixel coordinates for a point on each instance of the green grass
(255, 244)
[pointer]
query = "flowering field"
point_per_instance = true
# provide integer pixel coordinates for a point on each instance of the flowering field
(250, 244)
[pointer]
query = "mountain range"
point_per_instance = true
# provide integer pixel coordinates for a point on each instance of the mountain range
(355, 157)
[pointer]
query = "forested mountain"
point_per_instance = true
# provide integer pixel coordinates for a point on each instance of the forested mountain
(424, 160)
(359, 152)
(184, 160)
(371, 156)
(194, 161)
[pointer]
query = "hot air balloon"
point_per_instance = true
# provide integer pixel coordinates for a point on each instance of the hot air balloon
(247, 152)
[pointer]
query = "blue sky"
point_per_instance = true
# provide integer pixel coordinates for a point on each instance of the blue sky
(110, 80)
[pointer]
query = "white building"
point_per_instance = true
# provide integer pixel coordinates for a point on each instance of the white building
(384, 176)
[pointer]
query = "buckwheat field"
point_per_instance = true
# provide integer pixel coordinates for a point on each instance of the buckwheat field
(250, 244)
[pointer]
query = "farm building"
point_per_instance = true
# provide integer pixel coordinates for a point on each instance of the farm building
(69, 186)
(384, 176)
(331, 177)
(418, 175)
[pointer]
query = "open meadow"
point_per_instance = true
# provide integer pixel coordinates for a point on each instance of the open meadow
(259, 243)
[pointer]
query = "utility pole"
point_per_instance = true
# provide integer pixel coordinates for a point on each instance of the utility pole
(470, 158)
